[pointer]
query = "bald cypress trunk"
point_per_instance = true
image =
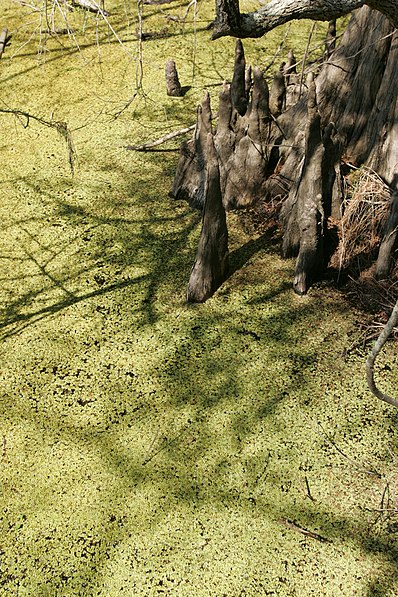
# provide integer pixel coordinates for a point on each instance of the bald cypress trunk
(347, 115)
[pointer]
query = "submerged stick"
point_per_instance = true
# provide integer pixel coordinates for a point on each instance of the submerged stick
(59, 31)
(295, 527)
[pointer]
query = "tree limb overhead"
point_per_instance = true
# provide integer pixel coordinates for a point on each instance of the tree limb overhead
(229, 20)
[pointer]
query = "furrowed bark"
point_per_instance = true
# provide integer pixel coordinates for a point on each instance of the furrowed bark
(211, 264)
(310, 202)
(229, 20)
(277, 94)
(330, 42)
(390, 235)
(294, 154)
(380, 147)
(238, 85)
(189, 181)
(173, 86)
(224, 139)
(246, 169)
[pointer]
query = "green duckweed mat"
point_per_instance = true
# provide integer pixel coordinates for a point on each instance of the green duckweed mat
(148, 447)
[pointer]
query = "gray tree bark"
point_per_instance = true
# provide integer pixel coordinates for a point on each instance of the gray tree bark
(190, 178)
(350, 114)
(173, 86)
(390, 235)
(382, 339)
(211, 264)
(230, 21)
(357, 96)
(3, 41)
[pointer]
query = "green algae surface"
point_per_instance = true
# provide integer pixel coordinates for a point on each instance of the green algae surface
(148, 447)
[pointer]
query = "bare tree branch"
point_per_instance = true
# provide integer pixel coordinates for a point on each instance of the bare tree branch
(150, 144)
(91, 6)
(290, 524)
(388, 328)
(61, 127)
(230, 21)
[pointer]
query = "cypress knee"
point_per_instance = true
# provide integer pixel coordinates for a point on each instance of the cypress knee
(211, 264)
(173, 85)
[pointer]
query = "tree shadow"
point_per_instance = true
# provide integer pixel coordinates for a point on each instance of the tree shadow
(238, 257)
(160, 410)
(156, 443)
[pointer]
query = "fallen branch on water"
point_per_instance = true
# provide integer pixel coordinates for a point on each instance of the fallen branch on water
(382, 339)
(147, 146)
(61, 127)
(59, 31)
(91, 6)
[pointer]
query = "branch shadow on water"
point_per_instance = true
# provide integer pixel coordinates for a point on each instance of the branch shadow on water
(41, 278)
(211, 397)
(240, 256)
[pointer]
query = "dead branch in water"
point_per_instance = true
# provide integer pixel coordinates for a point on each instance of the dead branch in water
(295, 527)
(90, 6)
(150, 144)
(61, 127)
(382, 339)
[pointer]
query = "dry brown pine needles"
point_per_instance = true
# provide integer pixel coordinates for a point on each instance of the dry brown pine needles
(365, 210)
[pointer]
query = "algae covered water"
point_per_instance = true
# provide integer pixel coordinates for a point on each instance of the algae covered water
(149, 447)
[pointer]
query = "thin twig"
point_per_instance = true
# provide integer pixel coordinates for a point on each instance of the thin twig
(59, 126)
(305, 57)
(308, 490)
(290, 524)
(28, 5)
(166, 444)
(195, 5)
(139, 73)
(279, 49)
